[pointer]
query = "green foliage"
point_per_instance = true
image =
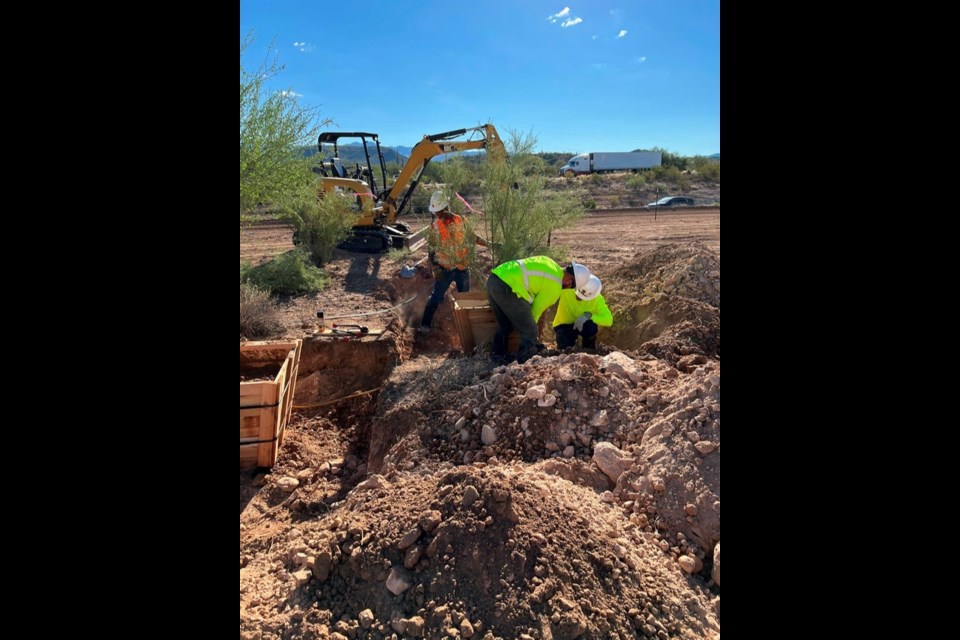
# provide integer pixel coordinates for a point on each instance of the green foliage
(520, 214)
(288, 274)
(595, 179)
(259, 315)
(432, 173)
(272, 127)
(321, 224)
(671, 159)
(554, 161)
(637, 182)
(465, 175)
(708, 168)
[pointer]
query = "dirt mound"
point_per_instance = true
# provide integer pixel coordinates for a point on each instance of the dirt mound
(473, 552)
(666, 303)
(686, 269)
(559, 409)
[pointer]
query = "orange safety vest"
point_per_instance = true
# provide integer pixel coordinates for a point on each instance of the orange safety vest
(452, 252)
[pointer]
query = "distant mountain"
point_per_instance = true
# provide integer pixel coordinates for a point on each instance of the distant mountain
(352, 153)
(716, 156)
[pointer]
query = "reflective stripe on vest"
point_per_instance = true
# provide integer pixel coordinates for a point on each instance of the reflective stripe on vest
(526, 278)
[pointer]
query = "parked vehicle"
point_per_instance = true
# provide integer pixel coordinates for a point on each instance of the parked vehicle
(610, 161)
(672, 201)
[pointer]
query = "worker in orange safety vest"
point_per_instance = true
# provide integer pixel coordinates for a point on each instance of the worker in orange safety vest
(450, 255)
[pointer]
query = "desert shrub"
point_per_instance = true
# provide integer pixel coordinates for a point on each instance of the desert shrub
(709, 169)
(290, 273)
(323, 223)
(637, 182)
(595, 179)
(259, 315)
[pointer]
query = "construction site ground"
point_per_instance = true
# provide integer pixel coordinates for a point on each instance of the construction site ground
(424, 493)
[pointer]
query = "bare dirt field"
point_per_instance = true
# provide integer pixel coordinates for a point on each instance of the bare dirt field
(424, 493)
(363, 283)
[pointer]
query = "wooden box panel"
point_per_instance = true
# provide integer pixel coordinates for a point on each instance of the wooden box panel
(265, 404)
(476, 322)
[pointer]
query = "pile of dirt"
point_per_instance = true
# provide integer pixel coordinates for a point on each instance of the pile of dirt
(662, 425)
(686, 269)
(666, 302)
(481, 551)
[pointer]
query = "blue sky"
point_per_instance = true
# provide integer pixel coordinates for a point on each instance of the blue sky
(582, 76)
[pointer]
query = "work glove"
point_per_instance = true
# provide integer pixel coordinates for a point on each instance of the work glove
(579, 322)
(438, 272)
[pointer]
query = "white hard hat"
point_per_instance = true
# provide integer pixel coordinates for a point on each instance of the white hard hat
(439, 201)
(580, 273)
(591, 289)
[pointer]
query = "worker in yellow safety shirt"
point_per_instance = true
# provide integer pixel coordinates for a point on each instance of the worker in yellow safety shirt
(449, 254)
(581, 314)
(519, 291)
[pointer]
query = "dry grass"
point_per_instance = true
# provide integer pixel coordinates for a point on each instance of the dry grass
(259, 315)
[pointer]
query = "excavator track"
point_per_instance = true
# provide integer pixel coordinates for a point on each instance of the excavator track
(366, 241)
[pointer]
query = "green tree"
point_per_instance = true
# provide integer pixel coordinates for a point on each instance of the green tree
(670, 159)
(272, 125)
(520, 214)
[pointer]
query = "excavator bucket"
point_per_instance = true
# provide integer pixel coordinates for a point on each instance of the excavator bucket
(417, 239)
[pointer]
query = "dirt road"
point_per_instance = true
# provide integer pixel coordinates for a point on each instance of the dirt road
(602, 238)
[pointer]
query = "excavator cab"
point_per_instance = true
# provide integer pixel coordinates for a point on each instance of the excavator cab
(334, 167)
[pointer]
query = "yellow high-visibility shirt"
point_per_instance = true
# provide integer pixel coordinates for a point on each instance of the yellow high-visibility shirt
(571, 307)
(538, 280)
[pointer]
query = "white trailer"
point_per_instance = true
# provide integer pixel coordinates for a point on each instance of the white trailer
(610, 161)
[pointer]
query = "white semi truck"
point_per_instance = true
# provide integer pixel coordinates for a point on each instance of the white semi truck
(610, 161)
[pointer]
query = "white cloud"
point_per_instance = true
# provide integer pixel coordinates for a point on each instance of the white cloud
(641, 59)
(299, 44)
(556, 16)
(303, 47)
(571, 22)
(622, 33)
(593, 37)
(290, 94)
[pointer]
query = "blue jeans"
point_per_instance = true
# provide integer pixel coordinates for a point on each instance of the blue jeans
(460, 276)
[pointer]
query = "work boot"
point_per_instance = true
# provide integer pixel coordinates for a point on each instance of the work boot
(525, 353)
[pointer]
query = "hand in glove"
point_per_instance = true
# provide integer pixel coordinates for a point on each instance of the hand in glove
(579, 322)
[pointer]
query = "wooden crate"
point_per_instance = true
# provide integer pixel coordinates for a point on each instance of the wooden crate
(476, 323)
(265, 405)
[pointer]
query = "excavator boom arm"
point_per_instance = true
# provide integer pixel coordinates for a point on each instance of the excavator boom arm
(430, 147)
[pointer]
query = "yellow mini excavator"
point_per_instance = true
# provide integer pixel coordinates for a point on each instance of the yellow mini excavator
(377, 228)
